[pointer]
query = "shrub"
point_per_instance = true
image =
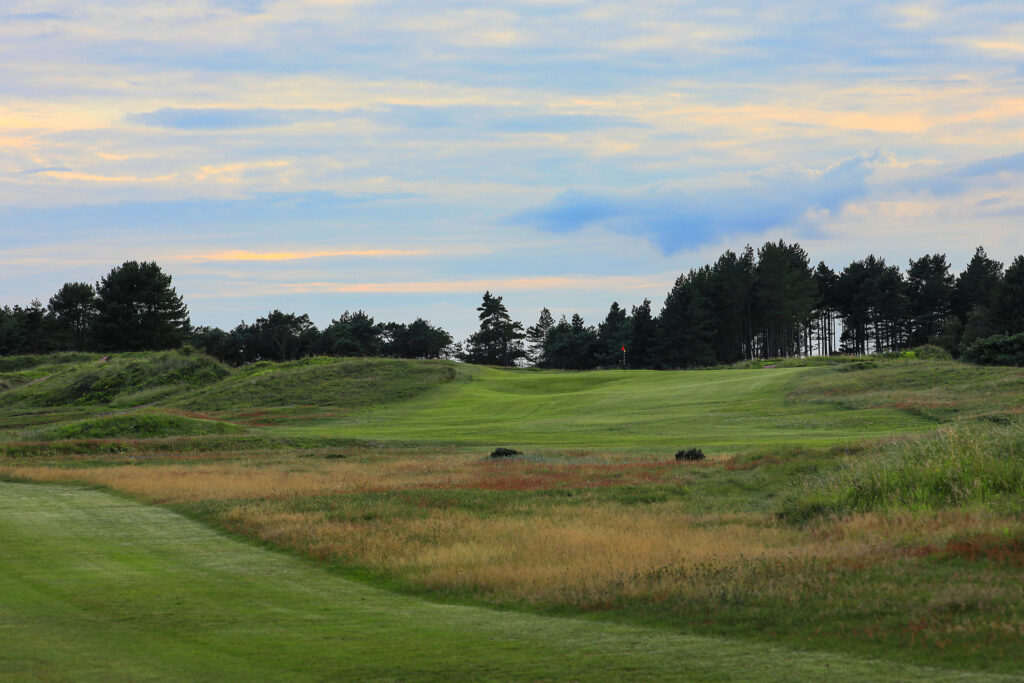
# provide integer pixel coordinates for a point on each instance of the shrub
(691, 454)
(1000, 349)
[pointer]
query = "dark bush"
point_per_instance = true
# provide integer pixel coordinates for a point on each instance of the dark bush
(1000, 349)
(504, 453)
(691, 454)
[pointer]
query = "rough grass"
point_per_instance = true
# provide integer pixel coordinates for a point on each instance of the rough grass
(348, 383)
(160, 597)
(138, 425)
(695, 547)
(121, 379)
(960, 465)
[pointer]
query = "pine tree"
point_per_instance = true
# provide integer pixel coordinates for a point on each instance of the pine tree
(535, 335)
(612, 334)
(138, 309)
(499, 340)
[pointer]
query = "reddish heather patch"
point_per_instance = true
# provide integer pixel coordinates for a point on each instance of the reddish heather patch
(530, 477)
(733, 464)
(978, 547)
(196, 415)
(988, 547)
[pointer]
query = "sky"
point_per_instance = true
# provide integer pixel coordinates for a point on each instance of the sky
(402, 157)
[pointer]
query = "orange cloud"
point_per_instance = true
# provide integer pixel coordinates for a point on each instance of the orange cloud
(468, 286)
(243, 255)
(93, 178)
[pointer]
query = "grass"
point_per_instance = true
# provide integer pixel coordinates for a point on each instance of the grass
(93, 587)
(635, 411)
(140, 425)
(959, 465)
(865, 509)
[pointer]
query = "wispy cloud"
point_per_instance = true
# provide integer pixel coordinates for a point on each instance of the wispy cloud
(469, 286)
(244, 255)
(219, 118)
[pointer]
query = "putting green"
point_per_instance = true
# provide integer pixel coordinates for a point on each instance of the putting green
(96, 587)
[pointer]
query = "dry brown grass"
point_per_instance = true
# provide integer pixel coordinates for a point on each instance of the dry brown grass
(587, 555)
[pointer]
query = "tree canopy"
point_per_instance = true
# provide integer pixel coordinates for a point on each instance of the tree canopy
(138, 309)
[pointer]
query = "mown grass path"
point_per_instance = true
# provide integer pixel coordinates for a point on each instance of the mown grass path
(634, 410)
(97, 587)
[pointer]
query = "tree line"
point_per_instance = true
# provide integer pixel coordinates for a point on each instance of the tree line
(773, 303)
(766, 303)
(135, 308)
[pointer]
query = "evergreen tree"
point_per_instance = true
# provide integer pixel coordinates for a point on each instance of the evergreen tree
(73, 308)
(570, 345)
(978, 286)
(535, 335)
(499, 340)
(784, 297)
(284, 336)
(731, 297)
(687, 323)
(1011, 298)
(612, 334)
(351, 334)
(640, 351)
(418, 339)
(827, 283)
(930, 294)
(23, 329)
(138, 309)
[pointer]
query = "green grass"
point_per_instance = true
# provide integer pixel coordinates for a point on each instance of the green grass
(94, 587)
(137, 425)
(628, 411)
(967, 464)
(121, 380)
(346, 383)
(923, 525)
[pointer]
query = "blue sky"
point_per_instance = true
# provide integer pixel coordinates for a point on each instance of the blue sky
(402, 157)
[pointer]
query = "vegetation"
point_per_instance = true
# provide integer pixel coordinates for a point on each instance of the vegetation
(755, 305)
(856, 507)
(162, 597)
(999, 349)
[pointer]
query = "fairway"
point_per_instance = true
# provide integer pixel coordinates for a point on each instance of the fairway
(95, 587)
(636, 410)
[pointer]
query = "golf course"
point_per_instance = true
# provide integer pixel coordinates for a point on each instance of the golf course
(164, 516)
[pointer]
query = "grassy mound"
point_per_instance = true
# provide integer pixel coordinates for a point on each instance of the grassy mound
(935, 390)
(963, 464)
(136, 425)
(321, 381)
(124, 379)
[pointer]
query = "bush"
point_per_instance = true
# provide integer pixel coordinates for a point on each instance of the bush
(1000, 349)
(691, 454)
(927, 352)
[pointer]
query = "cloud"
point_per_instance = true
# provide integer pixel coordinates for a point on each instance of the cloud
(215, 118)
(494, 119)
(517, 284)
(245, 255)
(676, 219)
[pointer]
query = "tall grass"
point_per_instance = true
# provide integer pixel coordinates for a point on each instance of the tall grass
(958, 465)
(127, 379)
